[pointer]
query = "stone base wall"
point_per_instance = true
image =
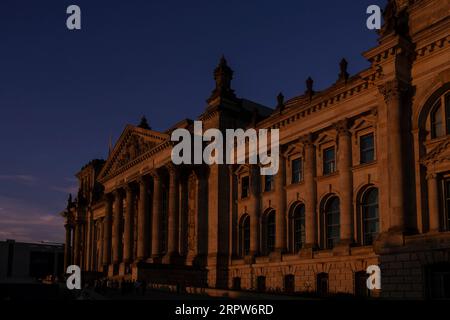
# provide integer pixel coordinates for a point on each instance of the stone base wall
(340, 269)
(404, 269)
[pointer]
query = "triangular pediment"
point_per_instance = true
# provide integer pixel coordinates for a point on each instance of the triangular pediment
(133, 143)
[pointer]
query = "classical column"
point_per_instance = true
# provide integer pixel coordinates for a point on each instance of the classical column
(392, 91)
(67, 246)
(182, 216)
(107, 222)
(172, 245)
(255, 208)
(142, 243)
(280, 194)
(76, 244)
(310, 191)
(156, 218)
(128, 227)
(344, 165)
(117, 235)
(433, 202)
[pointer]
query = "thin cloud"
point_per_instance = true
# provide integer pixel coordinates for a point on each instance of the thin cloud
(70, 189)
(18, 178)
(22, 221)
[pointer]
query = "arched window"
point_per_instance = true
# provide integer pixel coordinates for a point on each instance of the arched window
(332, 220)
(269, 231)
(440, 116)
(244, 236)
(437, 123)
(297, 227)
(370, 217)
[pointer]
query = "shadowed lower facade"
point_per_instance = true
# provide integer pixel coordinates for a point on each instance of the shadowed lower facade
(364, 179)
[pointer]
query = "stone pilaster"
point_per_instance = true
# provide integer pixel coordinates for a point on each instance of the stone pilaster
(310, 191)
(143, 216)
(117, 235)
(392, 92)
(344, 165)
(433, 202)
(255, 209)
(128, 227)
(107, 223)
(280, 194)
(172, 245)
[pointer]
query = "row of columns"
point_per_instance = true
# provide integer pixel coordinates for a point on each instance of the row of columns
(112, 235)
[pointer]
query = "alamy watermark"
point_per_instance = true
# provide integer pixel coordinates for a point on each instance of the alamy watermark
(74, 279)
(237, 146)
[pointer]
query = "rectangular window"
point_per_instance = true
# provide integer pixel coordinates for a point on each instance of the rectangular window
(297, 170)
(367, 148)
(245, 187)
(329, 161)
(268, 183)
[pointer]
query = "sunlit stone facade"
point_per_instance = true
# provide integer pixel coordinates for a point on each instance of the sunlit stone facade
(364, 179)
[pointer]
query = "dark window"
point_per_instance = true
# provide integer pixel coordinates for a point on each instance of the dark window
(447, 205)
(322, 284)
(268, 182)
(329, 161)
(245, 187)
(270, 230)
(361, 289)
(261, 283)
(297, 226)
(370, 217)
(367, 149)
(332, 227)
(437, 123)
(244, 236)
(447, 112)
(297, 170)
(438, 281)
(289, 283)
(236, 283)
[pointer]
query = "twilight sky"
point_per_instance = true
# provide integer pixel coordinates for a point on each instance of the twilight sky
(63, 93)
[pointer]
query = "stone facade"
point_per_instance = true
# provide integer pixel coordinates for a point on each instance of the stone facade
(364, 179)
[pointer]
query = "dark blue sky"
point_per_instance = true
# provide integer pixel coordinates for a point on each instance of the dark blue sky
(63, 93)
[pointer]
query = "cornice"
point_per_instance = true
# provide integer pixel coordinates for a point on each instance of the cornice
(432, 47)
(322, 101)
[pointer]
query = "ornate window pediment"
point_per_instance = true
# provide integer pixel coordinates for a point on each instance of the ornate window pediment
(440, 153)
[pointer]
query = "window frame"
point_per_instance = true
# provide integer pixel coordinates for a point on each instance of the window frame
(327, 225)
(269, 229)
(300, 170)
(325, 161)
(269, 180)
(440, 106)
(296, 219)
(247, 188)
(244, 235)
(364, 206)
(363, 151)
